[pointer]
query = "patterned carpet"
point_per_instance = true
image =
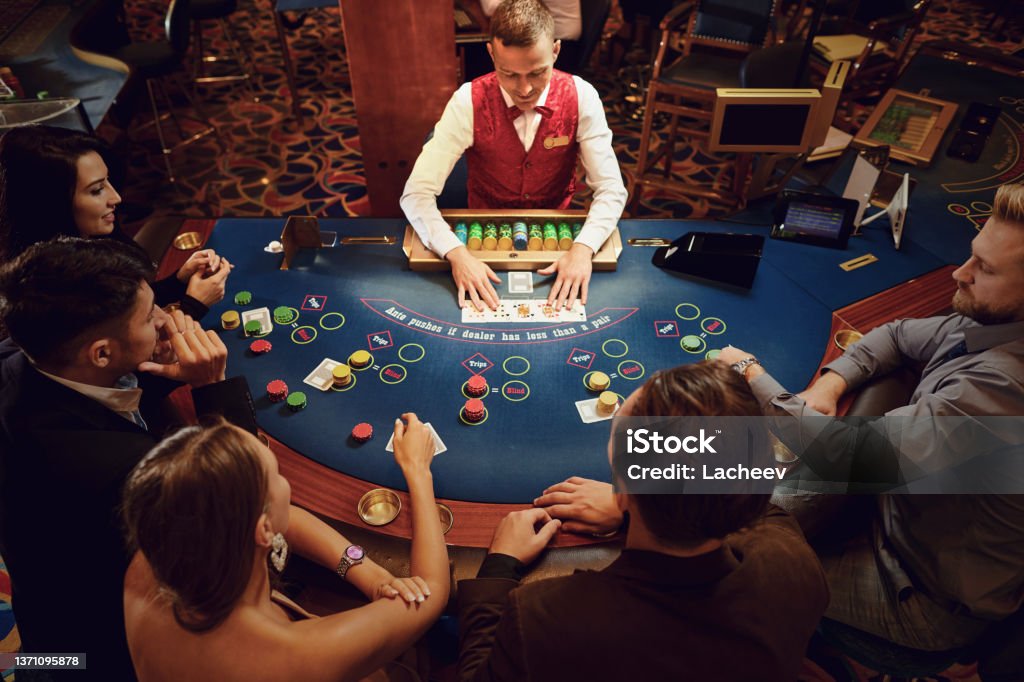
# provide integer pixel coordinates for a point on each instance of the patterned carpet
(263, 164)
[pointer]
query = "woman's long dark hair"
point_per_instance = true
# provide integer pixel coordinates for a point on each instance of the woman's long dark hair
(38, 178)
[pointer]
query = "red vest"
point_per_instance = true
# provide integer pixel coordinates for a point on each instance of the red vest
(504, 175)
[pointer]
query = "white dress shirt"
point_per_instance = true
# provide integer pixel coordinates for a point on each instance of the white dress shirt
(453, 134)
(567, 14)
(123, 398)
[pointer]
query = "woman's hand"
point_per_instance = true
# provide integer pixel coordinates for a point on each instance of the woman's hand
(205, 262)
(209, 289)
(414, 446)
(411, 590)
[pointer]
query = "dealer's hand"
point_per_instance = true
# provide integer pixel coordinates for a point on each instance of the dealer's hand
(586, 506)
(474, 278)
(517, 534)
(574, 269)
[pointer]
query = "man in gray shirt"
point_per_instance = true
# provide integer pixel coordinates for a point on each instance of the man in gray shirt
(935, 570)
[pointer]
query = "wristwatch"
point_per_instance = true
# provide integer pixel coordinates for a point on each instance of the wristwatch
(743, 364)
(352, 556)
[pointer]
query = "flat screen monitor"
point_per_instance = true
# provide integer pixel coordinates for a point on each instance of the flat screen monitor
(764, 120)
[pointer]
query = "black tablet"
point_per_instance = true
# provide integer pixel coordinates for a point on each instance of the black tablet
(813, 219)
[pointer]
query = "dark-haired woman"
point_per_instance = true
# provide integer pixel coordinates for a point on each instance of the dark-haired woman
(208, 511)
(55, 181)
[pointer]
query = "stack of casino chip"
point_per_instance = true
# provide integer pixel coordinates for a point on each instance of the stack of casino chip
(607, 402)
(230, 320)
(490, 236)
(342, 375)
(519, 232)
(476, 386)
(283, 314)
(243, 298)
(362, 432)
(505, 237)
(536, 238)
(253, 328)
(576, 229)
(260, 346)
(476, 235)
(296, 401)
(277, 391)
(461, 232)
(550, 237)
(564, 236)
(598, 381)
(474, 410)
(360, 359)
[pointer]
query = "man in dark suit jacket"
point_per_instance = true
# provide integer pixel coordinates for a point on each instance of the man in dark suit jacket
(707, 586)
(74, 420)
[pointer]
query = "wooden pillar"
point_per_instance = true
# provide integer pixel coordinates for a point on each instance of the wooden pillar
(401, 57)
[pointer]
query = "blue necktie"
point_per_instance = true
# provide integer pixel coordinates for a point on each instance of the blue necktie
(959, 350)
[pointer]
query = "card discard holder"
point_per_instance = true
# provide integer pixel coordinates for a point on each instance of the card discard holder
(728, 258)
(303, 232)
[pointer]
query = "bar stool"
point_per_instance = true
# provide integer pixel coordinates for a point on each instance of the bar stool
(162, 59)
(281, 6)
(219, 11)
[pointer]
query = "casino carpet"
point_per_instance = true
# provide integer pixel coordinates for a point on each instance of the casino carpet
(267, 166)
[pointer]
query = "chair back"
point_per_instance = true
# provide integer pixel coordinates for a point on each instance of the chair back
(741, 25)
(177, 25)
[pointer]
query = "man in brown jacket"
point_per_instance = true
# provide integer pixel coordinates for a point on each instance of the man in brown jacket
(707, 586)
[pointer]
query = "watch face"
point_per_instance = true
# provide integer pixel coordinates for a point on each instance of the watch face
(355, 552)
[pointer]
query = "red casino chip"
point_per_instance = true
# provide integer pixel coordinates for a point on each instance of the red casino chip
(362, 432)
(260, 346)
(474, 410)
(476, 386)
(277, 390)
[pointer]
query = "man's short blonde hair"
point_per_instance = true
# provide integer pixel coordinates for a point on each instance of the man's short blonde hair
(522, 23)
(1009, 204)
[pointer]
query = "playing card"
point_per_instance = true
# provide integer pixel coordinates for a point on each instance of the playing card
(261, 314)
(322, 378)
(588, 411)
(439, 445)
(520, 282)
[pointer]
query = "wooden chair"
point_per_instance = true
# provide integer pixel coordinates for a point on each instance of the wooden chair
(885, 44)
(703, 45)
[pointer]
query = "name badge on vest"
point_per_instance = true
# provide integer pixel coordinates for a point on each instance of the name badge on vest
(552, 142)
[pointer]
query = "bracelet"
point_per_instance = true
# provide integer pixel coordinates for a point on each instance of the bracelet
(745, 363)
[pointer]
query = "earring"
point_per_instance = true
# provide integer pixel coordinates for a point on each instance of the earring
(278, 552)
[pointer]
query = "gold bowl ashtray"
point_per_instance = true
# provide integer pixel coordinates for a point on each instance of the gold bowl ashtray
(444, 512)
(846, 338)
(379, 507)
(186, 241)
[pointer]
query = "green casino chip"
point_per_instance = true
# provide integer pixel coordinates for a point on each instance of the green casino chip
(243, 298)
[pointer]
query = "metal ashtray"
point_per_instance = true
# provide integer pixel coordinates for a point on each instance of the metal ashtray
(846, 338)
(444, 512)
(187, 241)
(379, 507)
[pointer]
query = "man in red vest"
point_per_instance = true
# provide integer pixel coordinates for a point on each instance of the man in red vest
(522, 129)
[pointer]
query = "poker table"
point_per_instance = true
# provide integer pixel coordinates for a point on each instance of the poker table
(364, 297)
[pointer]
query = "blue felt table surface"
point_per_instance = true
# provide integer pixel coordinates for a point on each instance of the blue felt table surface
(523, 446)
